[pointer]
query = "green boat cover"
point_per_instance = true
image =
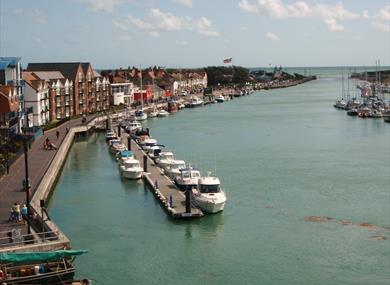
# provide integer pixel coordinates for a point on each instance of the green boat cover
(25, 257)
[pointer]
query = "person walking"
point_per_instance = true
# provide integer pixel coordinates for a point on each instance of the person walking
(24, 212)
(16, 212)
(58, 134)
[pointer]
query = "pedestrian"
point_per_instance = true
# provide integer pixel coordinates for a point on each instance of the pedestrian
(43, 131)
(24, 212)
(16, 212)
(58, 134)
(67, 130)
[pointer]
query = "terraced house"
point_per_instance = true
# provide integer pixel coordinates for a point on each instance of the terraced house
(91, 91)
(11, 98)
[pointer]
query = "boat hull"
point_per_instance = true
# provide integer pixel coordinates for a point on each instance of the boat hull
(132, 174)
(208, 206)
(50, 278)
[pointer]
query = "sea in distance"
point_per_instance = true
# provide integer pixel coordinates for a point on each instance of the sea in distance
(283, 156)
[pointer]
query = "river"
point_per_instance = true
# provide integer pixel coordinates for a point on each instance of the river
(282, 156)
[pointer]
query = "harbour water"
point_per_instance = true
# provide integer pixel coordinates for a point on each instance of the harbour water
(282, 155)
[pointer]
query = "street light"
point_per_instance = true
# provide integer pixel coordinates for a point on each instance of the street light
(26, 180)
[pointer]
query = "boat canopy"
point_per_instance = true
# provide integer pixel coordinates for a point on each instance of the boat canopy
(126, 153)
(29, 257)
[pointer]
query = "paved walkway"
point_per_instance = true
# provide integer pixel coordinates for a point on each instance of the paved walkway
(38, 162)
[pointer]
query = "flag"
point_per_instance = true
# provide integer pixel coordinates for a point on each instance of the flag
(227, 60)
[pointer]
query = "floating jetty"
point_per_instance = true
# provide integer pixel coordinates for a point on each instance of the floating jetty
(176, 203)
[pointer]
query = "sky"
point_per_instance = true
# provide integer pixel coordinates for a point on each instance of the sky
(197, 33)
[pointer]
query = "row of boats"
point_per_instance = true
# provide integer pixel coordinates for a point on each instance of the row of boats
(172, 107)
(206, 191)
(372, 107)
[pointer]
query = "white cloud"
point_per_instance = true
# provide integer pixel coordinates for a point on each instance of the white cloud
(384, 13)
(247, 7)
(332, 25)
(204, 27)
(182, 43)
(277, 9)
(329, 14)
(271, 36)
(167, 21)
(101, 5)
(365, 14)
(139, 24)
(382, 19)
(187, 3)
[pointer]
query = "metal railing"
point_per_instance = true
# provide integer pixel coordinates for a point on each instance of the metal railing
(14, 237)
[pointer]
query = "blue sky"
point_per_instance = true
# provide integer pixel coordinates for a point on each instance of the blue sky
(195, 33)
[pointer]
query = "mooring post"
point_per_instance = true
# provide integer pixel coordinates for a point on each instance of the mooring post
(170, 200)
(188, 199)
(145, 163)
(129, 143)
(119, 131)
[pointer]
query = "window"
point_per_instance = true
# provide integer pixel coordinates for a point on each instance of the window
(67, 112)
(66, 90)
(97, 85)
(58, 101)
(58, 91)
(58, 111)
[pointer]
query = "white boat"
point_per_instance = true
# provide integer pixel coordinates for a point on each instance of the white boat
(164, 159)
(196, 102)
(162, 113)
(140, 115)
(110, 135)
(208, 196)
(219, 98)
(116, 146)
(340, 104)
(133, 126)
(173, 168)
(153, 151)
(130, 168)
(123, 155)
(189, 177)
(153, 112)
(148, 143)
(181, 106)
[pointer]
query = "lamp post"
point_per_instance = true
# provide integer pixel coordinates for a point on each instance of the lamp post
(27, 180)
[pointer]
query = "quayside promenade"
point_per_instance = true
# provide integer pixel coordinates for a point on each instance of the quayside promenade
(44, 166)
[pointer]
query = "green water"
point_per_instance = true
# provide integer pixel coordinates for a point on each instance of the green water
(281, 155)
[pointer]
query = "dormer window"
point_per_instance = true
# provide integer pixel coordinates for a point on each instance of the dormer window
(80, 76)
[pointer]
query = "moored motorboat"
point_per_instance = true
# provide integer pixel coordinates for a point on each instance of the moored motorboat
(196, 102)
(133, 126)
(162, 113)
(220, 98)
(116, 146)
(130, 168)
(148, 143)
(164, 159)
(340, 104)
(209, 196)
(173, 168)
(140, 115)
(110, 135)
(122, 155)
(188, 178)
